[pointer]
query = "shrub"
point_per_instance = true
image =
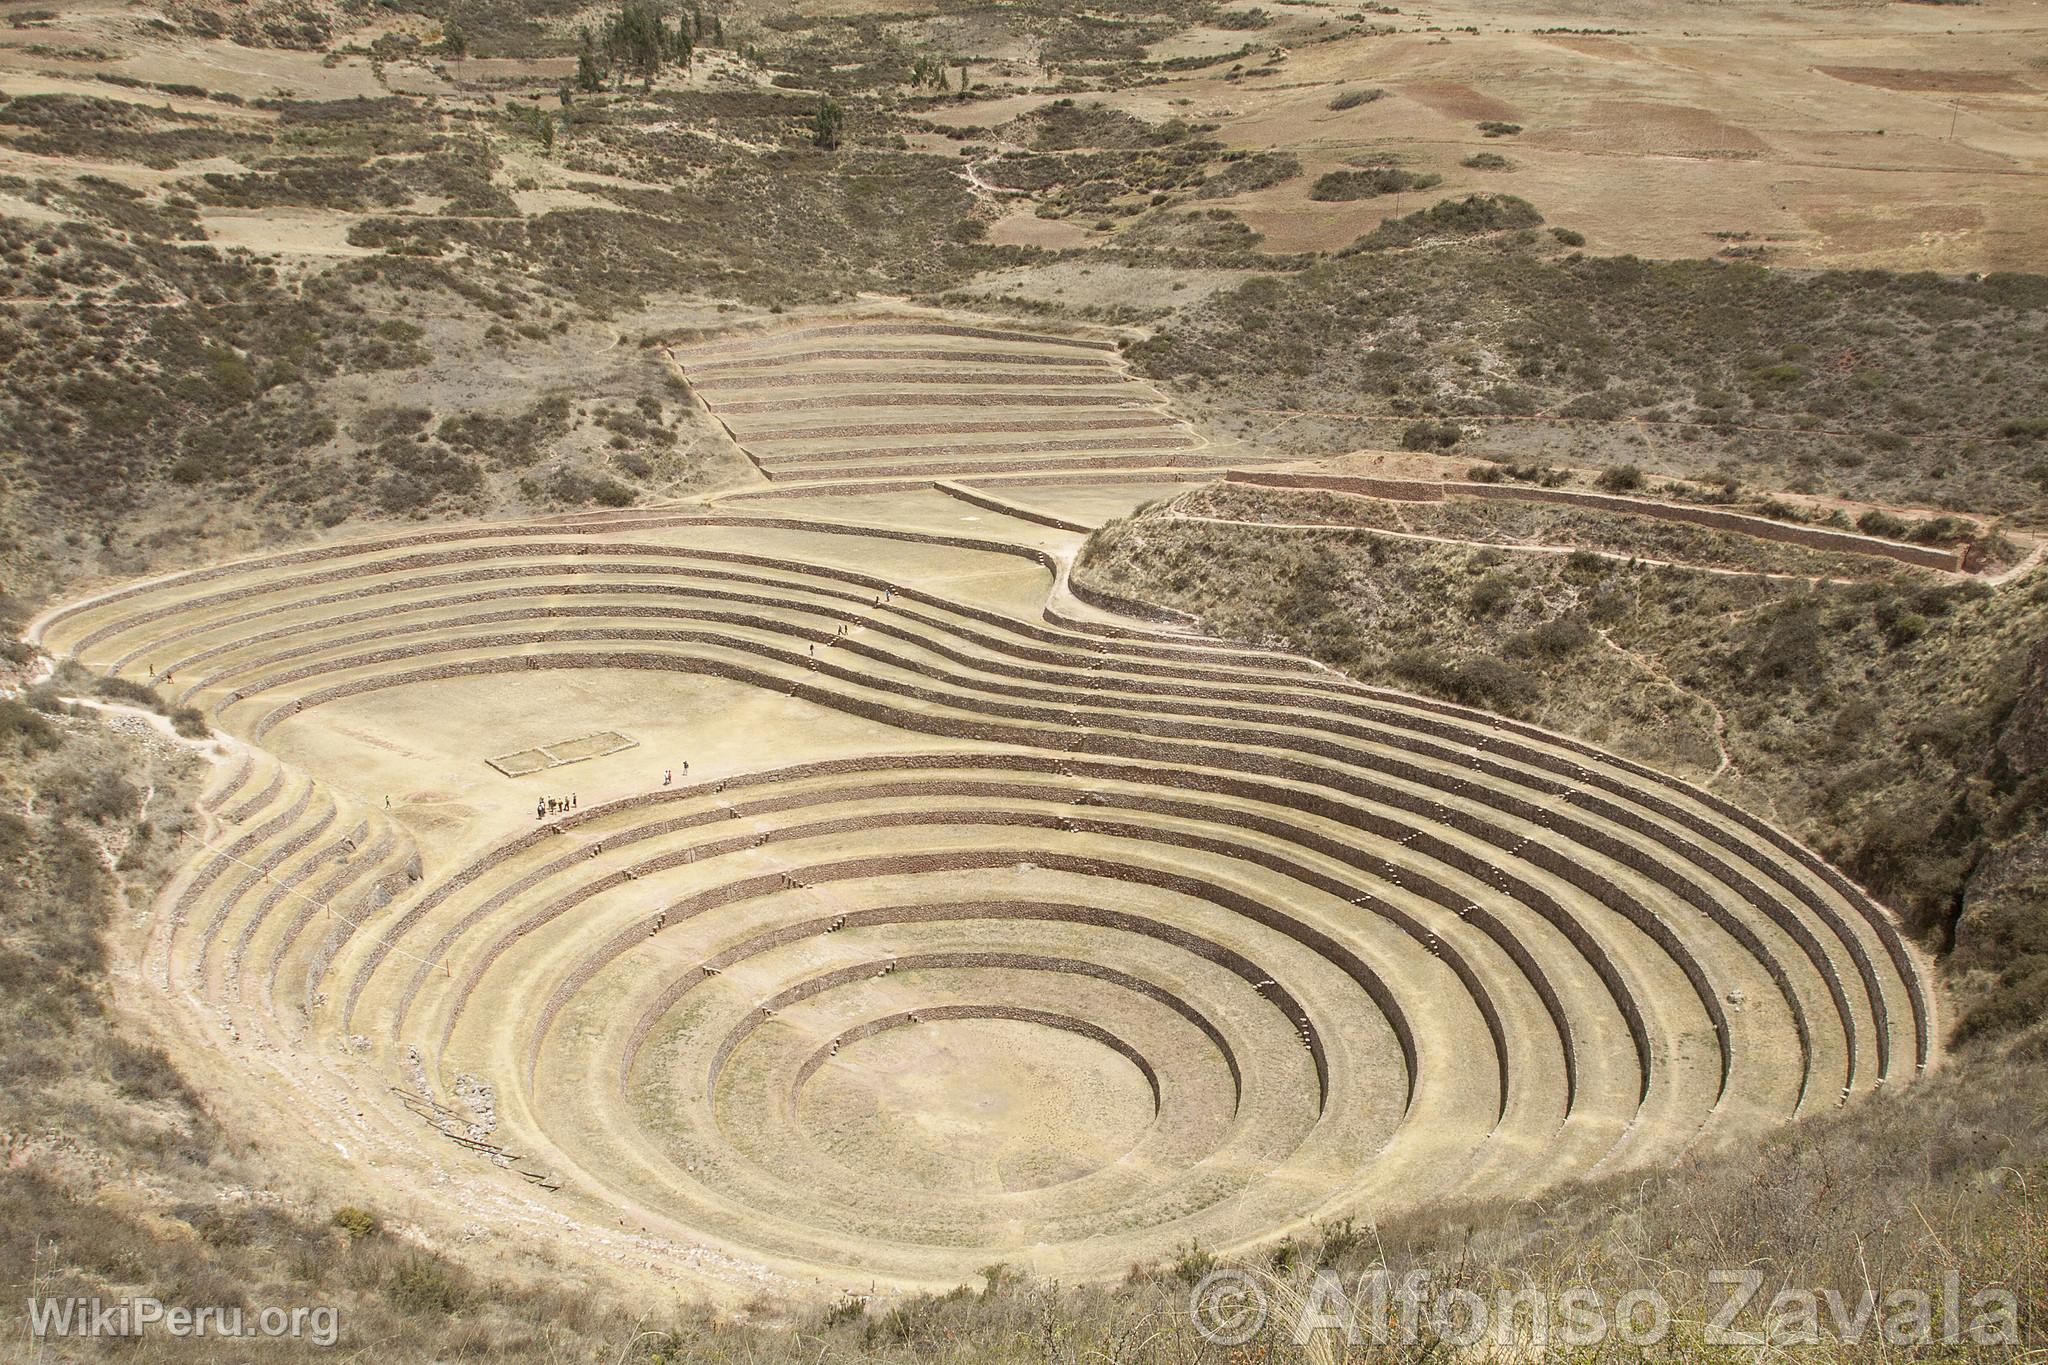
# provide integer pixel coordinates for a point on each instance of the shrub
(1784, 646)
(356, 1222)
(1336, 1240)
(1426, 435)
(134, 693)
(20, 724)
(1495, 128)
(1905, 628)
(1479, 681)
(1247, 174)
(1877, 522)
(1486, 161)
(1192, 1262)
(2019, 1000)
(100, 795)
(1338, 186)
(1556, 639)
(1603, 406)
(1568, 237)
(1620, 478)
(1940, 531)
(145, 1072)
(1490, 596)
(423, 1284)
(1468, 217)
(1351, 99)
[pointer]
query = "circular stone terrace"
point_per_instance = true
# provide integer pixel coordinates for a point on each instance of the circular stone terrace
(983, 923)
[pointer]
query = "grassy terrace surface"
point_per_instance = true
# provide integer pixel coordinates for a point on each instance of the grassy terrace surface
(860, 398)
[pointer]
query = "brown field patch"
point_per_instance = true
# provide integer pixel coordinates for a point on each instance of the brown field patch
(1648, 126)
(1608, 49)
(1921, 78)
(1453, 99)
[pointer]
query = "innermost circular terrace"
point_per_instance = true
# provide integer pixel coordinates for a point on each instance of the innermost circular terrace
(979, 1105)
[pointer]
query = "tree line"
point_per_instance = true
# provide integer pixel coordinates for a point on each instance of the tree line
(637, 40)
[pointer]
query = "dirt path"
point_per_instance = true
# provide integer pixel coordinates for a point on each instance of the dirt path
(1616, 556)
(1656, 671)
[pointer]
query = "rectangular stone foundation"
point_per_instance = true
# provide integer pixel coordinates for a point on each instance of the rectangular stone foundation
(544, 756)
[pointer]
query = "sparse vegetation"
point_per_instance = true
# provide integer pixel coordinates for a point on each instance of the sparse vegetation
(1351, 99)
(1450, 219)
(1683, 357)
(1366, 184)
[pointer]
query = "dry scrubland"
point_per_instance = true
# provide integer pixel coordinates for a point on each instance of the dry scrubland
(981, 928)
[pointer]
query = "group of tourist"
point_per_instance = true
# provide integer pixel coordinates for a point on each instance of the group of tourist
(556, 805)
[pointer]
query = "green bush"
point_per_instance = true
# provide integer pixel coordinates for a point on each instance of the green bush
(1905, 628)
(1940, 531)
(1620, 478)
(1339, 186)
(1192, 1262)
(2017, 1001)
(1471, 216)
(134, 693)
(1431, 435)
(356, 1222)
(422, 1284)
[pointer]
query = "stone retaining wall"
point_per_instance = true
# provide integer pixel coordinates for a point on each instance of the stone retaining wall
(1716, 518)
